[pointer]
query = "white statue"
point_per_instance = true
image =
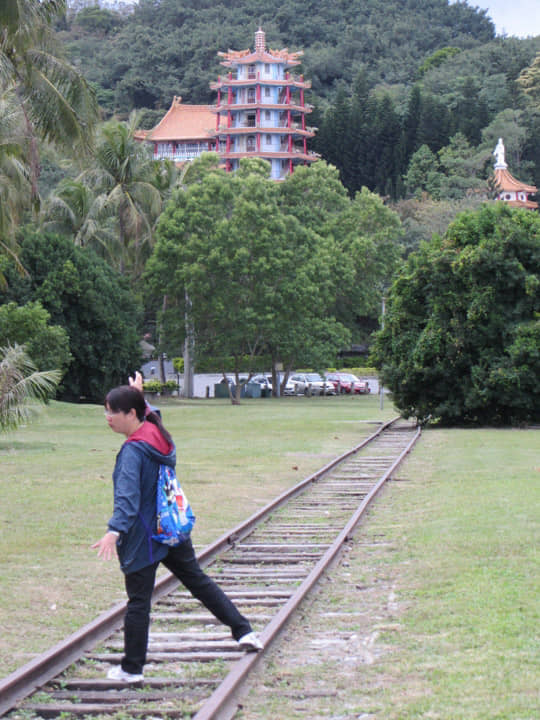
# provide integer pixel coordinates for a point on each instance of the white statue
(499, 155)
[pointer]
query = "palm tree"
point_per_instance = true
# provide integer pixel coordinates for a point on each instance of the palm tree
(20, 384)
(130, 186)
(53, 101)
(72, 210)
(15, 188)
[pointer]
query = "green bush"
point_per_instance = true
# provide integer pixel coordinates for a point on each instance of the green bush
(152, 386)
(461, 333)
(360, 371)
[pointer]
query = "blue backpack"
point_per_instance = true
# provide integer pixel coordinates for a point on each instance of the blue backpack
(175, 519)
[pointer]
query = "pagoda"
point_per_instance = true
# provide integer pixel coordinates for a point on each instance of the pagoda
(260, 109)
(510, 190)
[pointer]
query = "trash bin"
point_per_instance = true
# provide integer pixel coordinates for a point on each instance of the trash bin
(221, 390)
(252, 390)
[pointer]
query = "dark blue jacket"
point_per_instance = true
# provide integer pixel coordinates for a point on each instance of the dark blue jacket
(134, 516)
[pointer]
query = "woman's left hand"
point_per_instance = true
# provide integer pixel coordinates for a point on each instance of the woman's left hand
(106, 547)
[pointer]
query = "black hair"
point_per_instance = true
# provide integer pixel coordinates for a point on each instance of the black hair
(125, 398)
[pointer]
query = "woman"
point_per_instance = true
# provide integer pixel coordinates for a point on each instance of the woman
(130, 528)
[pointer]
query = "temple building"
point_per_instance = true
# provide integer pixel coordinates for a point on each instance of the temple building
(183, 133)
(260, 112)
(263, 104)
(510, 190)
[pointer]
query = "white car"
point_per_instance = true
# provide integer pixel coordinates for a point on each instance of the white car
(265, 381)
(312, 382)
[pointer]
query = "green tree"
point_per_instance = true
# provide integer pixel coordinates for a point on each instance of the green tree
(460, 338)
(15, 185)
(424, 217)
(423, 174)
(129, 188)
(471, 113)
(461, 170)
(53, 100)
(72, 210)
(368, 237)
(529, 82)
(362, 237)
(87, 298)
(21, 386)
(29, 325)
(249, 276)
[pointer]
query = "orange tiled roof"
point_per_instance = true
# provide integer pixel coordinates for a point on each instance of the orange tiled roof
(183, 122)
(247, 57)
(505, 181)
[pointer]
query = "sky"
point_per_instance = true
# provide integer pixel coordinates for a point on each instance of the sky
(512, 17)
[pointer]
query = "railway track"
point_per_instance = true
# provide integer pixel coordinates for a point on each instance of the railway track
(267, 565)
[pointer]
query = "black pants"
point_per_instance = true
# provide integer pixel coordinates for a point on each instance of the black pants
(181, 561)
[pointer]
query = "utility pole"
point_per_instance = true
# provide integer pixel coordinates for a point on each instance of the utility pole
(188, 351)
(381, 389)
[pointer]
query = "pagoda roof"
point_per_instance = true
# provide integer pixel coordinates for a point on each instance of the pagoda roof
(249, 57)
(506, 181)
(183, 122)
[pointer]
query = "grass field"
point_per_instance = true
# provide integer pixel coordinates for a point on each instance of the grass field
(442, 581)
(56, 495)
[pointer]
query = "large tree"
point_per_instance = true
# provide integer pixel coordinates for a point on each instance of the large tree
(118, 199)
(249, 276)
(361, 236)
(460, 339)
(87, 298)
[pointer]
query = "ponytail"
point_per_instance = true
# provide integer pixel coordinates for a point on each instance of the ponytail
(154, 417)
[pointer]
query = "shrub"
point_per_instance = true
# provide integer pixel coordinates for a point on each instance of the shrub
(460, 341)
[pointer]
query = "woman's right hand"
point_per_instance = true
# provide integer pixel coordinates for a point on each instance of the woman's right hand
(137, 381)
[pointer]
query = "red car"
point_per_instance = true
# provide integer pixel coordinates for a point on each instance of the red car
(347, 383)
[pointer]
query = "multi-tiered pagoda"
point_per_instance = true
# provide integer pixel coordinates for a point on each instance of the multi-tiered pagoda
(260, 109)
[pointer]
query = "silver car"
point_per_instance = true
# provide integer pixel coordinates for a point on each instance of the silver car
(312, 383)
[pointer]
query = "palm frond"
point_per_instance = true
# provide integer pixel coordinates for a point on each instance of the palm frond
(20, 385)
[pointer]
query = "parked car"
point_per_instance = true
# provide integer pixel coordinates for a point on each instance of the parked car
(348, 383)
(319, 386)
(265, 381)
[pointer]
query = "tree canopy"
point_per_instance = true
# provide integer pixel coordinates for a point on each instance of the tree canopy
(87, 298)
(236, 268)
(282, 268)
(170, 48)
(461, 335)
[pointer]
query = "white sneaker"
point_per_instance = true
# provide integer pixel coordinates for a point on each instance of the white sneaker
(117, 673)
(251, 642)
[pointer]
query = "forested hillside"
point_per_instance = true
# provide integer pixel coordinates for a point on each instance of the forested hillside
(170, 47)
(409, 96)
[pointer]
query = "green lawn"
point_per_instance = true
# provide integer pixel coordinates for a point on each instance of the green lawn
(446, 565)
(56, 495)
(435, 609)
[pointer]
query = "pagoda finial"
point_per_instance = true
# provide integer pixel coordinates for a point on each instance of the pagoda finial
(260, 40)
(500, 163)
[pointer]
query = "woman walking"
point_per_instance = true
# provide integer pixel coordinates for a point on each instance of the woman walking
(130, 529)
